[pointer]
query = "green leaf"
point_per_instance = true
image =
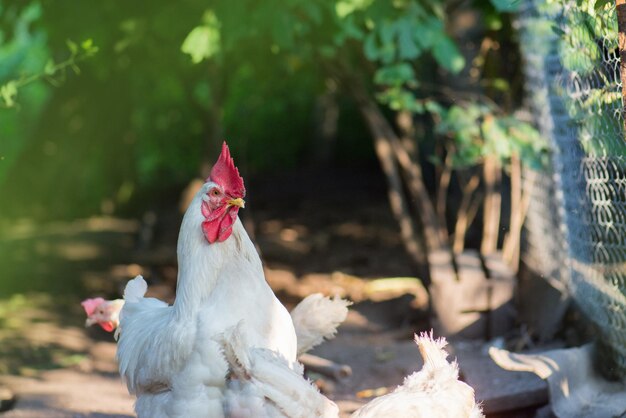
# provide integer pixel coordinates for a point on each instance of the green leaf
(601, 3)
(434, 107)
(497, 141)
(73, 47)
(428, 32)
(313, 12)
(327, 51)
(351, 30)
(400, 99)
(31, 13)
(387, 51)
(407, 48)
(447, 54)
(506, 5)
(203, 42)
(493, 21)
(500, 84)
(87, 44)
(8, 92)
(50, 68)
(395, 75)
(344, 8)
(370, 49)
(556, 29)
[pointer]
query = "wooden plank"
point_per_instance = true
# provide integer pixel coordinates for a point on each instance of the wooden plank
(473, 302)
(444, 293)
(469, 303)
(473, 281)
(502, 283)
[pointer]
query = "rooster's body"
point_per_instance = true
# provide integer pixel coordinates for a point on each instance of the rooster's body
(169, 355)
(265, 385)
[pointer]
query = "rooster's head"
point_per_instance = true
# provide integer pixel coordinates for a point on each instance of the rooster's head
(223, 199)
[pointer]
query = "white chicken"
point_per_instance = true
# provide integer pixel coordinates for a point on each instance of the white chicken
(433, 392)
(105, 313)
(168, 354)
(315, 318)
(269, 387)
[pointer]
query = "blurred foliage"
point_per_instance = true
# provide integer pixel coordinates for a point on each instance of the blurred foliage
(170, 81)
(587, 37)
(383, 42)
(476, 132)
(9, 90)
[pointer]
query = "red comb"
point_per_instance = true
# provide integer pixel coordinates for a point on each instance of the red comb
(226, 174)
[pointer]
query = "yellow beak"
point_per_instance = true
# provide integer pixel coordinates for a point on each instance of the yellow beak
(239, 202)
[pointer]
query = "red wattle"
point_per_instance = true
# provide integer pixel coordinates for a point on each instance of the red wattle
(219, 225)
(107, 326)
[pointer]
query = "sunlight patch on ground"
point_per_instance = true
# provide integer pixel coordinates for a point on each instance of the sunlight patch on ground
(77, 251)
(347, 286)
(25, 229)
(31, 340)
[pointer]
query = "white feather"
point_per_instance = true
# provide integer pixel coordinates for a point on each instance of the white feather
(316, 318)
(135, 289)
(267, 385)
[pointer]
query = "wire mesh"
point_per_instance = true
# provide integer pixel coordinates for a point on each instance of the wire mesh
(576, 226)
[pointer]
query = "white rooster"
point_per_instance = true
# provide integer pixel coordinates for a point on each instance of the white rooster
(168, 354)
(268, 387)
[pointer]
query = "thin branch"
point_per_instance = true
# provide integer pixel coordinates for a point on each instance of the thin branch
(462, 221)
(511, 243)
(442, 190)
(381, 134)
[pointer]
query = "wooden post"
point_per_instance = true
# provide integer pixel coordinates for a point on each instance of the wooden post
(491, 207)
(620, 7)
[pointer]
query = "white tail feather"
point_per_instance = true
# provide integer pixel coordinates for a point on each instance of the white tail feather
(316, 318)
(135, 289)
(432, 350)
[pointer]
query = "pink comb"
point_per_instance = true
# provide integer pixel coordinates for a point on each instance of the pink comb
(90, 305)
(226, 174)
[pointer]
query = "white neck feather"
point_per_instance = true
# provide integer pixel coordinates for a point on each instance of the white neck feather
(201, 264)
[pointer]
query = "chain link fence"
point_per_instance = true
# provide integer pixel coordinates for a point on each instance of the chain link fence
(576, 227)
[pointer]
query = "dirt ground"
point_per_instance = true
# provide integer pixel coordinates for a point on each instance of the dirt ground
(334, 236)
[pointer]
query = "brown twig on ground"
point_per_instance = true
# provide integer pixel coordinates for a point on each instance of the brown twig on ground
(325, 367)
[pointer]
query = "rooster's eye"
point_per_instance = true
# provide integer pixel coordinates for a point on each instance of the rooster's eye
(215, 192)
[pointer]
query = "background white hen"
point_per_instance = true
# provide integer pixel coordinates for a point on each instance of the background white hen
(268, 384)
(315, 318)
